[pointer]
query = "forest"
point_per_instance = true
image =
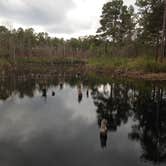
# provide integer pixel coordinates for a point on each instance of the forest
(132, 36)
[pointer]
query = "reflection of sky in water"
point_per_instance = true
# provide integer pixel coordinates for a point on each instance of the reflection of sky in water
(60, 131)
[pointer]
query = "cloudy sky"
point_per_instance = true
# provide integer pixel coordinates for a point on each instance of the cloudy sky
(61, 18)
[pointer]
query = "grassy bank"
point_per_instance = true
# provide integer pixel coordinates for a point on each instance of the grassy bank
(106, 65)
(42, 65)
(142, 64)
(4, 64)
(38, 64)
(49, 60)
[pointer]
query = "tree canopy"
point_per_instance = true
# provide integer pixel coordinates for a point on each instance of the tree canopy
(117, 21)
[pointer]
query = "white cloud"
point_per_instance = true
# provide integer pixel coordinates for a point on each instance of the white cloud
(63, 18)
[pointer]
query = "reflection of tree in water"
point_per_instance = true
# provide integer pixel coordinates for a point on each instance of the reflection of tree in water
(5, 91)
(112, 105)
(13, 85)
(115, 103)
(26, 88)
(147, 106)
(150, 130)
(23, 86)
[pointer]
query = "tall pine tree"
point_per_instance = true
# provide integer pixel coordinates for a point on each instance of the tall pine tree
(117, 21)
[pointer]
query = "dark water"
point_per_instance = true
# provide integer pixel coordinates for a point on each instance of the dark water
(57, 122)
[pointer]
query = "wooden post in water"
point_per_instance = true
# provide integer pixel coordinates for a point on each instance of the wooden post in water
(163, 46)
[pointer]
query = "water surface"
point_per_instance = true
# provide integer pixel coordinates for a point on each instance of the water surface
(57, 122)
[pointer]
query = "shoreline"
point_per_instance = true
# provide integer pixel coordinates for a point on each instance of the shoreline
(70, 70)
(80, 67)
(139, 75)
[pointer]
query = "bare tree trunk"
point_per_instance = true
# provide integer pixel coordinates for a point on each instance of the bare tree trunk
(164, 32)
(12, 49)
(157, 49)
(29, 48)
(64, 50)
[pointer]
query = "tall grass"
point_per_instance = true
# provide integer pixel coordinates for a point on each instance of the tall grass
(142, 63)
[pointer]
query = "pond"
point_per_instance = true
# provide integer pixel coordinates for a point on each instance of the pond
(60, 122)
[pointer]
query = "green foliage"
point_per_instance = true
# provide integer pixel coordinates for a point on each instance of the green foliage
(141, 63)
(150, 20)
(105, 61)
(117, 21)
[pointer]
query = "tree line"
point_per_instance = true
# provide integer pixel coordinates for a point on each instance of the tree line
(145, 29)
(26, 42)
(122, 31)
